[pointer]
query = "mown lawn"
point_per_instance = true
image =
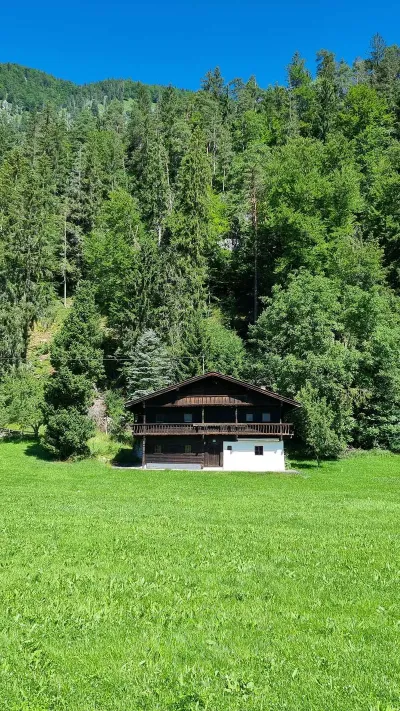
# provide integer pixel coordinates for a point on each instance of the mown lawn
(124, 590)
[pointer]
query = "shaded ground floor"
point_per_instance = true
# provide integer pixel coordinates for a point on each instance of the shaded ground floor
(220, 452)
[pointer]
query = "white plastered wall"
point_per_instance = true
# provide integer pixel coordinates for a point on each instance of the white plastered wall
(242, 456)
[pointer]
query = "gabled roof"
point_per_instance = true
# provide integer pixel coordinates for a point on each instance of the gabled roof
(228, 378)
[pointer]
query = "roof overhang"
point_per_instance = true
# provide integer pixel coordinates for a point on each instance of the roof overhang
(227, 378)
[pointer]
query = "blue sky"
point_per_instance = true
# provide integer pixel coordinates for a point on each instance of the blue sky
(177, 42)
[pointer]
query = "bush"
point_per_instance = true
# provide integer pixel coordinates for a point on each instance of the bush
(102, 447)
(67, 389)
(116, 412)
(67, 433)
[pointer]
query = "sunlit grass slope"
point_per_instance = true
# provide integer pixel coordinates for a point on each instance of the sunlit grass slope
(125, 590)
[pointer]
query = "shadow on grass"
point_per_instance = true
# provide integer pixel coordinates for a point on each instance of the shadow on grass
(35, 449)
(126, 457)
(298, 464)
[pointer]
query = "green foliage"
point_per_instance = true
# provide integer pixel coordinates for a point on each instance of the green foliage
(13, 341)
(67, 432)
(76, 347)
(30, 233)
(224, 348)
(68, 389)
(276, 209)
(378, 420)
(147, 365)
(190, 221)
(21, 399)
(105, 448)
(30, 89)
(324, 333)
(77, 357)
(149, 161)
(122, 262)
(190, 358)
(318, 425)
(116, 414)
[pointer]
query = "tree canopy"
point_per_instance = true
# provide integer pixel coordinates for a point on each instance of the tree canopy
(250, 230)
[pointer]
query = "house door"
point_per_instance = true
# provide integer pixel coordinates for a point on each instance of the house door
(212, 453)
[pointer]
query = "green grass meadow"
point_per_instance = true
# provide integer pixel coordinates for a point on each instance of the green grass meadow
(127, 590)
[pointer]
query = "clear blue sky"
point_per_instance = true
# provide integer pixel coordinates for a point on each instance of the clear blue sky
(172, 41)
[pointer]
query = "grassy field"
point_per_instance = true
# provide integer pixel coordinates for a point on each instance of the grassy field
(124, 590)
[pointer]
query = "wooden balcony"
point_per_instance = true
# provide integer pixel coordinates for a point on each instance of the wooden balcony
(271, 429)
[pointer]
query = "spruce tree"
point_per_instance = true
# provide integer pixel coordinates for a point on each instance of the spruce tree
(327, 93)
(152, 177)
(191, 357)
(77, 359)
(147, 364)
(122, 259)
(185, 258)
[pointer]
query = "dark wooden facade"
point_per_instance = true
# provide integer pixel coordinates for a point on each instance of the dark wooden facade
(188, 422)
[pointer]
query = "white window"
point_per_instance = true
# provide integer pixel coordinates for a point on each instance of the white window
(249, 417)
(187, 417)
(266, 417)
(259, 450)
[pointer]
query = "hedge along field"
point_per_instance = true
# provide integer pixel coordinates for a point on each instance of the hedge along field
(126, 590)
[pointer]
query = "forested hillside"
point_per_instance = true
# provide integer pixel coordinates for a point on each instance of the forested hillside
(248, 230)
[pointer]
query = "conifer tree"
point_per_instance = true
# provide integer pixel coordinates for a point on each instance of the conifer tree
(175, 129)
(301, 98)
(189, 239)
(30, 233)
(121, 258)
(278, 202)
(190, 358)
(327, 92)
(77, 359)
(152, 178)
(190, 223)
(147, 364)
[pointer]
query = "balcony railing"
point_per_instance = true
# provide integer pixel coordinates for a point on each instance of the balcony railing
(272, 429)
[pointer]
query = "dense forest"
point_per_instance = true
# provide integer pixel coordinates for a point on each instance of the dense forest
(157, 233)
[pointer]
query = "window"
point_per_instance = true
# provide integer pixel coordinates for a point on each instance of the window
(160, 417)
(259, 450)
(187, 417)
(157, 449)
(249, 417)
(229, 448)
(266, 417)
(188, 448)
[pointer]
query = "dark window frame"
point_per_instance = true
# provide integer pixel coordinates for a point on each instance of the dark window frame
(259, 450)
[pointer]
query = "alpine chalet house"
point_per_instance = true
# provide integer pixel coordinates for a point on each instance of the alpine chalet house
(213, 421)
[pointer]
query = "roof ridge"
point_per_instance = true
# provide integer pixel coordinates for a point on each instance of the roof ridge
(212, 373)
